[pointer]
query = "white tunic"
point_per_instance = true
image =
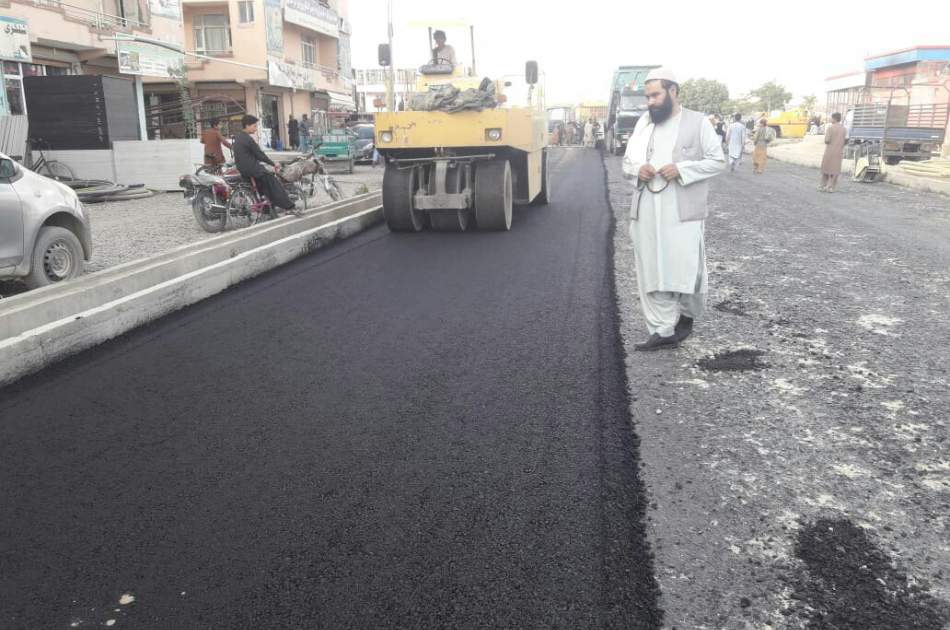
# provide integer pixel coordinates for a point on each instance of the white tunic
(737, 135)
(670, 254)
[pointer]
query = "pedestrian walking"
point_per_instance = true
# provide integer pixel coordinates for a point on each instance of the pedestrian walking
(293, 132)
(735, 141)
(718, 128)
(671, 154)
(569, 130)
(589, 134)
(835, 138)
(304, 134)
(764, 135)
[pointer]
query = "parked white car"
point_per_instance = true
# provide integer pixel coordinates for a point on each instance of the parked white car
(45, 233)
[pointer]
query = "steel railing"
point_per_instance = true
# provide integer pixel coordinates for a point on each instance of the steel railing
(93, 17)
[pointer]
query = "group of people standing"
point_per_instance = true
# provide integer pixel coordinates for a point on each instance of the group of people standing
(299, 132)
(735, 137)
(571, 133)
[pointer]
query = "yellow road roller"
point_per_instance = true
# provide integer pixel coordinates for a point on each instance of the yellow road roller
(451, 168)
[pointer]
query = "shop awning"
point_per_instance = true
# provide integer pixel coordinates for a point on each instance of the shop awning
(341, 102)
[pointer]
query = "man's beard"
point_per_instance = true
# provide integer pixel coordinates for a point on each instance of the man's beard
(661, 113)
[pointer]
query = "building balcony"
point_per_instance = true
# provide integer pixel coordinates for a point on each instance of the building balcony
(86, 12)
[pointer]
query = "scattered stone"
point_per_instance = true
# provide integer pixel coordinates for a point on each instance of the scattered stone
(730, 306)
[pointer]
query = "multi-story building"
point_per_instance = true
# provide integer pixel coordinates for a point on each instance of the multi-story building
(50, 37)
(371, 88)
(271, 58)
(920, 75)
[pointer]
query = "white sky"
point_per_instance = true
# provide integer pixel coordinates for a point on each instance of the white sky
(741, 43)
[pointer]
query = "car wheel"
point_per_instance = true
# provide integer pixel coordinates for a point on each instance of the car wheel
(57, 256)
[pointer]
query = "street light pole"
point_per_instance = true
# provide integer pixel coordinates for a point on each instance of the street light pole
(391, 75)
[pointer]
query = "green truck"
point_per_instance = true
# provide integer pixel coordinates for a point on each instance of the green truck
(627, 104)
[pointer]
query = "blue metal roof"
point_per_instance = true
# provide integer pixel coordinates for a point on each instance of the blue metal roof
(912, 55)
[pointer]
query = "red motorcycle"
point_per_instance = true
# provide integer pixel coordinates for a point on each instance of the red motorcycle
(208, 192)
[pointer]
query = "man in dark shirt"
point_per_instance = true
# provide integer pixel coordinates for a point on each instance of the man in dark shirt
(248, 158)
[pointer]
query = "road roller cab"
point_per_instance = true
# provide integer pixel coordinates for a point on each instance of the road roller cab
(449, 169)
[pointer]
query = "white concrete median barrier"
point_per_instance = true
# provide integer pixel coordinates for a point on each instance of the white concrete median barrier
(44, 326)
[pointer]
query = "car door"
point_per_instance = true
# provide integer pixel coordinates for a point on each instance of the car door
(11, 215)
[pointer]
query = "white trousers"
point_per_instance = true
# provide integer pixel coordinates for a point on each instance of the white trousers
(662, 309)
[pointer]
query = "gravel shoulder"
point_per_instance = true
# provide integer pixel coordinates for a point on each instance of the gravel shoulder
(811, 490)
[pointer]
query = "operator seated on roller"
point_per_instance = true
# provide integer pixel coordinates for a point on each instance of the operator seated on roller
(442, 54)
(248, 158)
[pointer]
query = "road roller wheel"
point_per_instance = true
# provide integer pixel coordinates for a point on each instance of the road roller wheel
(493, 195)
(544, 197)
(399, 189)
(450, 220)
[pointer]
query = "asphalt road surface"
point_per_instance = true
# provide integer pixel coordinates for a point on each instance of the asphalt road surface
(425, 431)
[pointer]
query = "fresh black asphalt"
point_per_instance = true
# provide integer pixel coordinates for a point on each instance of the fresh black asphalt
(399, 431)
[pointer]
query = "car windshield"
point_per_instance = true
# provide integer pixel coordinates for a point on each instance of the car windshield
(365, 133)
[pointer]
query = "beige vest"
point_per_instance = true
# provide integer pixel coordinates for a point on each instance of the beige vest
(692, 199)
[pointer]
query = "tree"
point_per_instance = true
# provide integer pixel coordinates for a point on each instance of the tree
(772, 96)
(704, 95)
(809, 102)
(744, 106)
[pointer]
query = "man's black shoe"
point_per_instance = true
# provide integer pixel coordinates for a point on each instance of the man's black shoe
(684, 328)
(656, 342)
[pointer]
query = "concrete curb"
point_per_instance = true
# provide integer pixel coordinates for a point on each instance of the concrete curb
(793, 154)
(71, 318)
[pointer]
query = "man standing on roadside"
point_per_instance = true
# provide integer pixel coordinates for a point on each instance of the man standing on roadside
(835, 138)
(293, 133)
(589, 133)
(735, 140)
(762, 138)
(671, 154)
(213, 140)
(304, 134)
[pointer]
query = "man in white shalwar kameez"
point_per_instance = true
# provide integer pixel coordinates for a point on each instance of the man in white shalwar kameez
(589, 133)
(735, 139)
(671, 154)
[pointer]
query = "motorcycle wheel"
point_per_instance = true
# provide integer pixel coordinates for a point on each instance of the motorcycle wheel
(210, 219)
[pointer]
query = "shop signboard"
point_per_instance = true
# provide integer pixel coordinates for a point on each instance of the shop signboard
(165, 8)
(148, 60)
(14, 40)
(313, 15)
(281, 74)
(274, 26)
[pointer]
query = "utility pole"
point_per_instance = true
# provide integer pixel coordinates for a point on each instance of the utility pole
(391, 75)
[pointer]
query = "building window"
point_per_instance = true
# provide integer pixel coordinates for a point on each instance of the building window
(212, 33)
(13, 84)
(308, 51)
(247, 11)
